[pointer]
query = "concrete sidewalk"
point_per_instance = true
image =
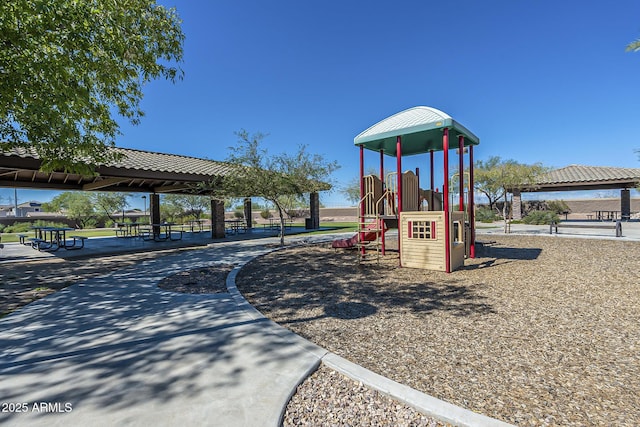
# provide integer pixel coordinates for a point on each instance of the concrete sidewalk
(118, 350)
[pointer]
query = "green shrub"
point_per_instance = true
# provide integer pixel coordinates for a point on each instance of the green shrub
(558, 206)
(540, 217)
(265, 214)
(238, 214)
(485, 214)
(25, 227)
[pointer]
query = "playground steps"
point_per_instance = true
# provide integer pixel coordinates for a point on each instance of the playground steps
(369, 236)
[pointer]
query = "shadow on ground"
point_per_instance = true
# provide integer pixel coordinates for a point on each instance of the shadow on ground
(117, 344)
(336, 286)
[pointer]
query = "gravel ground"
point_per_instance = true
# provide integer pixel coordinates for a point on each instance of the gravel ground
(331, 399)
(537, 330)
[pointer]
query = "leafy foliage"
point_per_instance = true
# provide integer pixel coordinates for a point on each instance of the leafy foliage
(66, 64)
(486, 179)
(110, 203)
(185, 205)
(351, 190)
(541, 217)
(25, 227)
(272, 177)
(496, 178)
(76, 205)
(485, 214)
(558, 206)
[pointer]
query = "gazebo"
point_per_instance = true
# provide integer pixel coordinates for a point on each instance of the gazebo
(418, 130)
(580, 177)
(137, 171)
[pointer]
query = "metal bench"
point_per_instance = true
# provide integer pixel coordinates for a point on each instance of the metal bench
(39, 244)
(617, 226)
(78, 242)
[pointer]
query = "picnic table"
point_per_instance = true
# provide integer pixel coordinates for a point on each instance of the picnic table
(128, 229)
(53, 238)
(606, 215)
(274, 224)
(164, 231)
(196, 224)
(235, 225)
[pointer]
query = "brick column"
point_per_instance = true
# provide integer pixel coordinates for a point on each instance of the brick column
(217, 219)
(625, 203)
(154, 211)
(516, 209)
(248, 216)
(314, 210)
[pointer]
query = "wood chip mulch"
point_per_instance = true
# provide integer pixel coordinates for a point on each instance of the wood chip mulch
(537, 330)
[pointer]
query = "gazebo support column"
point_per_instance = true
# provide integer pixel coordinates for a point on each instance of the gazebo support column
(217, 219)
(154, 212)
(472, 211)
(516, 202)
(314, 211)
(625, 204)
(248, 215)
(445, 197)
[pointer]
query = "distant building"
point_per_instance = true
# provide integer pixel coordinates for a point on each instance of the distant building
(23, 209)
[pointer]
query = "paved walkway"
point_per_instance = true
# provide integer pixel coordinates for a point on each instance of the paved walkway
(118, 350)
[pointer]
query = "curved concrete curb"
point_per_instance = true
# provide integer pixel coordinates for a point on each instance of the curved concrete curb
(428, 405)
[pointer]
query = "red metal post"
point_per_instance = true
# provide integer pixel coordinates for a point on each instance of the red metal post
(382, 240)
(432, 201)
(445, 196)
(361, 219)
(472, 219)
(399, 166)
(461, 169)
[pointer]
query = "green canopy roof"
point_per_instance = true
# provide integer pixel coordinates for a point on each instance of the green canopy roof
(421, 131)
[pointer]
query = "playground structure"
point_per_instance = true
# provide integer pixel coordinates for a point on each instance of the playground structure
(431, 235)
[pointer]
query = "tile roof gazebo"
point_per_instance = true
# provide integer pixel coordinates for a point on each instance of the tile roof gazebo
(136, 171)
(580, 177)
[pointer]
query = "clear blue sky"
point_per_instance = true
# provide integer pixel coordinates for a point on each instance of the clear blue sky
(536, 81)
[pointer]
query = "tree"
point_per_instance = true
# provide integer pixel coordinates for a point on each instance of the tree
(65, 65)
(512, 175)
(486, 179)
(76, 205)
(187, 204)
(110, 203)
(633, 46)
(351, 190)
(273, 176)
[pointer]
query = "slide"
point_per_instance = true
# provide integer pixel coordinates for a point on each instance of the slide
(369, 236)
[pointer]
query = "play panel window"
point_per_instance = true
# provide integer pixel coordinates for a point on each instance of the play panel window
(425, 230)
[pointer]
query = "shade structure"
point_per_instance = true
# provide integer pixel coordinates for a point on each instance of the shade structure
(421, 131)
